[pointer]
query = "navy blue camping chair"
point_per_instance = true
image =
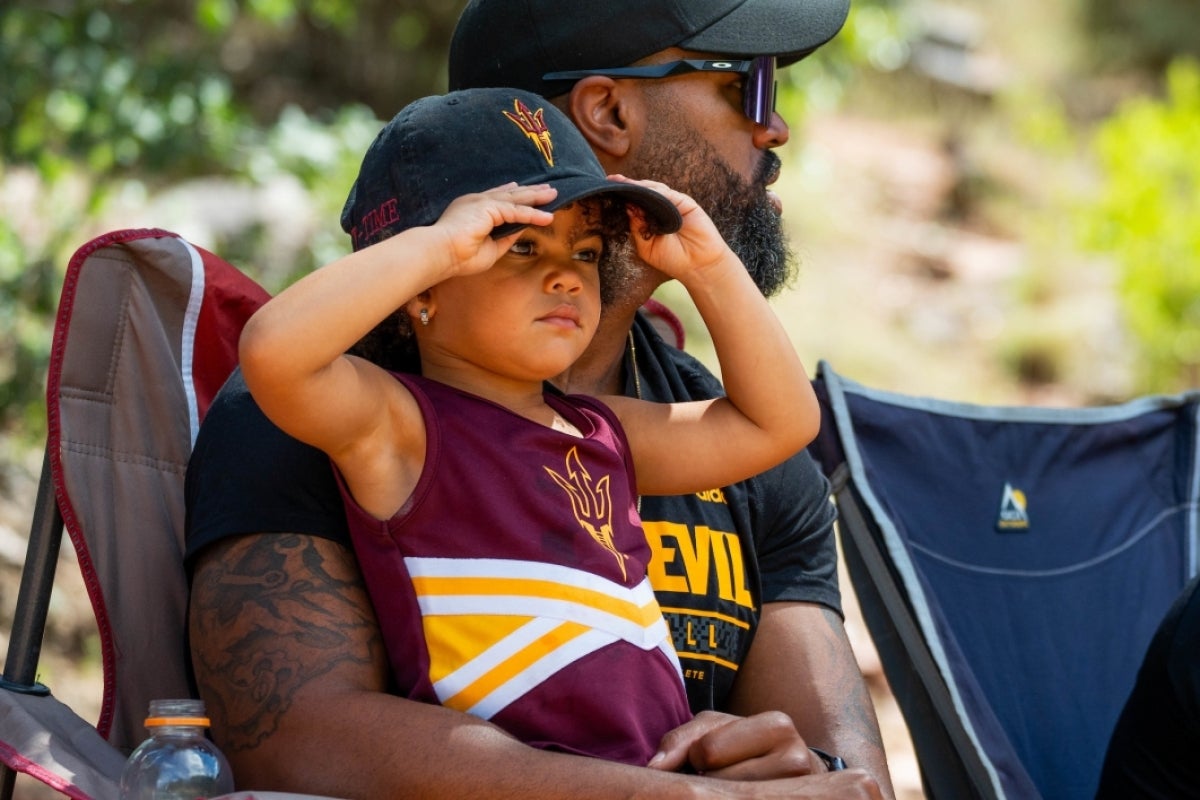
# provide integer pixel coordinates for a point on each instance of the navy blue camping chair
(1012, 564)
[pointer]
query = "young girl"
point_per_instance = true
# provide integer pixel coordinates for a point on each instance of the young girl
(494, 518)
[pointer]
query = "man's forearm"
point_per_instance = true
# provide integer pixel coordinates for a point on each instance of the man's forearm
(288, 658)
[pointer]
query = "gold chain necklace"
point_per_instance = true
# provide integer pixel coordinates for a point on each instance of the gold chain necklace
(637, 390)
(637, 379)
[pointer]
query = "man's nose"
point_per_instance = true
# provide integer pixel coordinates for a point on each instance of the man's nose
(774, 134)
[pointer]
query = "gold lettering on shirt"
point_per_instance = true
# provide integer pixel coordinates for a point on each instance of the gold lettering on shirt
(684, 561)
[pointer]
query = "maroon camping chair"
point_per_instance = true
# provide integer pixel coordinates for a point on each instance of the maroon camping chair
(145, 335)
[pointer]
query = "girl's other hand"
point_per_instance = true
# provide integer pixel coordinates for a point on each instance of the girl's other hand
(694, 247)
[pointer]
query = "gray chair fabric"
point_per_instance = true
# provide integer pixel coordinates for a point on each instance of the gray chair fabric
(145, 335)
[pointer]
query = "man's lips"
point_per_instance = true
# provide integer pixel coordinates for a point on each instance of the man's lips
(774, 176)
(772, 197)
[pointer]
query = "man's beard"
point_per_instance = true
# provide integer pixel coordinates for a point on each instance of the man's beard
(681, 158)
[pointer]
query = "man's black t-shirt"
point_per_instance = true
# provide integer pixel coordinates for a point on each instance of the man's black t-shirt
(1153, 753)
(717, 555)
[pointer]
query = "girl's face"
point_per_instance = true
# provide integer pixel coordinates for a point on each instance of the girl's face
(534, 312)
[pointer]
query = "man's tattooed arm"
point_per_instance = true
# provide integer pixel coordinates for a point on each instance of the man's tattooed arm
(289, 661)
(273, 617)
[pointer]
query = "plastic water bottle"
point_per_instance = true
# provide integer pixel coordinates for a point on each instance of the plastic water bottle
(177, 762)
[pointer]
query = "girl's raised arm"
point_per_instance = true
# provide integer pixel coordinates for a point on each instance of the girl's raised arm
(292, 350)
(770, 411)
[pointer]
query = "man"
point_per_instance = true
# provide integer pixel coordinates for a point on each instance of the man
(285, 645)
(1152, 752)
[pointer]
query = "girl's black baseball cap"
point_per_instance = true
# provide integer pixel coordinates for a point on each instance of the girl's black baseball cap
(442, 147)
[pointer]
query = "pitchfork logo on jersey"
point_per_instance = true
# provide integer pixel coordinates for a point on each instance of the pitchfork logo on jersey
(533, 125)
(591, 502)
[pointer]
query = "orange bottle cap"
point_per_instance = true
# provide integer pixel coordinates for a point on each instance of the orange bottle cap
(154, 722)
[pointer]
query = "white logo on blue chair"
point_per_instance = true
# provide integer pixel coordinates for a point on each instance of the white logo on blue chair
(1014, 514)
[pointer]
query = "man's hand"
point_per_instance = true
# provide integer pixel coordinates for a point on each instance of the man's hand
(760, 756)
(755, 748)
(694, 249)
(801, 663)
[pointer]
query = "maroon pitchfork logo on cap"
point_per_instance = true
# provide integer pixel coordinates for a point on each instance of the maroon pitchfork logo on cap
(533, 125)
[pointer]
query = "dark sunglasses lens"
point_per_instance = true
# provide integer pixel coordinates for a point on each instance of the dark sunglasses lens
(759, 99)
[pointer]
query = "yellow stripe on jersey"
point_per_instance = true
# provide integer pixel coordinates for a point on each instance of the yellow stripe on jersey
(496, 628)
(639, 613)
(454, 640)
(511, 669)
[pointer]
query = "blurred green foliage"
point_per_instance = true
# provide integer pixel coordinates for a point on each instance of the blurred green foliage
(77, 90)
(1146, 215)
(104, 99)
(1145, 34)
(81, 105)
(109, 99)
(873, 37)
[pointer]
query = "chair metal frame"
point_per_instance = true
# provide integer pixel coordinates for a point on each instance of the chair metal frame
(33, 604)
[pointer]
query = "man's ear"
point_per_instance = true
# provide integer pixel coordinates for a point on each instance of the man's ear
(608, 114)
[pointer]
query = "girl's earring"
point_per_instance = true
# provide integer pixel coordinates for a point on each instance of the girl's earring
(424, 315)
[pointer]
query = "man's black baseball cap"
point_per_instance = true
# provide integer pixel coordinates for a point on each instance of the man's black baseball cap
(442, 147)
(516, 42)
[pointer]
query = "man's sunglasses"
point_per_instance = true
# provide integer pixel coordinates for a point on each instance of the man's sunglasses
(758, 87)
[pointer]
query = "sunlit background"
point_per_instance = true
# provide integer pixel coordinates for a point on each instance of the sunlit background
(990, 202)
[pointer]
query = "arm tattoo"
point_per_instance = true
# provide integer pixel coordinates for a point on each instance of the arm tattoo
(269, 614)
